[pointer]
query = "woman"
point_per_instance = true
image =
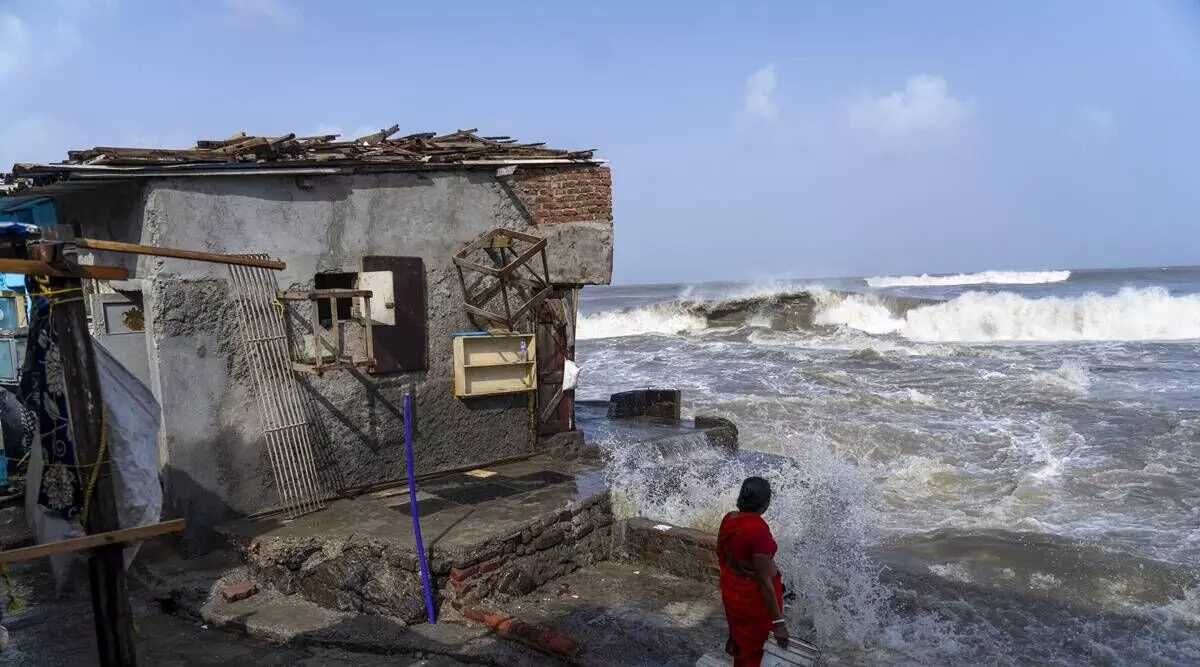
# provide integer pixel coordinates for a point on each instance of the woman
(751, 588)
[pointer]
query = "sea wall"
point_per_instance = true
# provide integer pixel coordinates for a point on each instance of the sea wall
(683, 552)
(371, 575)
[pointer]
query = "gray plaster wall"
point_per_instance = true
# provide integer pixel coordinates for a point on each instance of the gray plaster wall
(214, 455)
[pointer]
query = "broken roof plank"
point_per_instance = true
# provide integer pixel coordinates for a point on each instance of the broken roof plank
(378, 149)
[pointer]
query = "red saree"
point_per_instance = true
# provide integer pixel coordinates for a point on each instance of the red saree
(742, 535)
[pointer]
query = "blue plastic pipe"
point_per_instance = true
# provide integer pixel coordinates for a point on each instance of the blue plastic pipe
(412, 503)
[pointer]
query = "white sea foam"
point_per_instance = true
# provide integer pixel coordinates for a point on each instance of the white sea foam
(665, 319)
(1132, 314)
(822, 512)
(983, 278)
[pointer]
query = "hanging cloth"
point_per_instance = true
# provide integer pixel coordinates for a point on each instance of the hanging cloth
(48, 423)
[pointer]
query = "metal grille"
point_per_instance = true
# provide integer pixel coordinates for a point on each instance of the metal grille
(265, 341)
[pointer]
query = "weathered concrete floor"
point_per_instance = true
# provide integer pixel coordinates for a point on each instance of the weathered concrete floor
(457, 511)
(201, 629)
(290, 619)
(53, 633)
(629, 616)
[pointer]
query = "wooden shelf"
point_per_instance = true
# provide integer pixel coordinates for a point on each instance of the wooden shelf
(493, 365)
(499, 363)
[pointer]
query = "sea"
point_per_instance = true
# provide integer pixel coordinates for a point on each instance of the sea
(995, 468)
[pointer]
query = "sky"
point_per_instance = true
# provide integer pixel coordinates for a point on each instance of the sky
(748, 140)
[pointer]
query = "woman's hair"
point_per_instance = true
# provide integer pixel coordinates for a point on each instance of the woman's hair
(755, 495)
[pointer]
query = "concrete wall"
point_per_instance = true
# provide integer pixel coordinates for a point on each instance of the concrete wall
(683, 552)
(212, 445)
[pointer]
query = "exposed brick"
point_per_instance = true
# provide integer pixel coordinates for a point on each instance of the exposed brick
(239, 591)
(555, 196)
(457, 574)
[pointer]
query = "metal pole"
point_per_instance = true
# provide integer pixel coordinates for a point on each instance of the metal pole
(412, 504)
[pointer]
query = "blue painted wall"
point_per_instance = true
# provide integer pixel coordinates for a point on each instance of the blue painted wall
(31, 211)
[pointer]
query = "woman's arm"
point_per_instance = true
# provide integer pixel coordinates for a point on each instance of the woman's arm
(764, 572)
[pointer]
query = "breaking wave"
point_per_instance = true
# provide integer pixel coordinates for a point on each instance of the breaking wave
(665, 319)
(1132, 314)
(983, 278)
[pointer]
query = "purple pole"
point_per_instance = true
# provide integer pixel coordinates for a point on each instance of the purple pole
(412, 503)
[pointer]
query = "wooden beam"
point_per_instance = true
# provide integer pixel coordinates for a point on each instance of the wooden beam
(318, 294)
(36, 268)
(122, 536)
(215, 257)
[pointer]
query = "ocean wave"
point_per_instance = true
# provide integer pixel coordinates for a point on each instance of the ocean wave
(785, 309)
(1132, 314)
(663, 319)
(1150, 313)
(983, 278)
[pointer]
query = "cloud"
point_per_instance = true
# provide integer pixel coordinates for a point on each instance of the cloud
(276, 13)
(923, 107)
(1096, 125)
(760, 94)
(14, 44)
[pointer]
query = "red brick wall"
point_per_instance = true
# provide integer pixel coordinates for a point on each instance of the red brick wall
(553, 195)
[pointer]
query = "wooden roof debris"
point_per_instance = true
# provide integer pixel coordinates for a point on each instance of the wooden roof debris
(461, 147)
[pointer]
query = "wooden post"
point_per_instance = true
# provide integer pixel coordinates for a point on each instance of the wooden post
(106, 565)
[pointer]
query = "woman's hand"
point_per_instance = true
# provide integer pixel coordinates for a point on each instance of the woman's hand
(781, 635)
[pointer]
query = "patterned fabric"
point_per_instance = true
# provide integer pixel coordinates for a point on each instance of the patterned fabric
(19, 230)
(48, 423)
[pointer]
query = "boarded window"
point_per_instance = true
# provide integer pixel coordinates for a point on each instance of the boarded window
(399, 331)
(344, 306)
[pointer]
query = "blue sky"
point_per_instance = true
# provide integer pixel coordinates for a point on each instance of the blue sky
(749, 140)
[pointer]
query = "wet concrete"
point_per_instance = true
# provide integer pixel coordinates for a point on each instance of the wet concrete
(626, 615)
(592, 418)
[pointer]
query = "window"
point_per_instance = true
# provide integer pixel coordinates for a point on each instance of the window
(345, 307)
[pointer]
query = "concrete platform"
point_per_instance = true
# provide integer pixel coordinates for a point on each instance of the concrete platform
(625, 615)
(55, 632)
(501, 532)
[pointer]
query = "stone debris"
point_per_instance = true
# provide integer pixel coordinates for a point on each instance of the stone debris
(239, 591)
(539, 637)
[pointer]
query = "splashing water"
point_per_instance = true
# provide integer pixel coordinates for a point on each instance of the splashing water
(823, 513)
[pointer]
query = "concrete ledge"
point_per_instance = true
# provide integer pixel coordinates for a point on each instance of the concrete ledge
(358, 556)
(721, 432)
(656, 403)
(683, 552)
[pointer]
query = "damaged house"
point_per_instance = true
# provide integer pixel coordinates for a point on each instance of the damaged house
(445, 267)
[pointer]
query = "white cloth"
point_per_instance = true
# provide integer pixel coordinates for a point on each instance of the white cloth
(570, 375)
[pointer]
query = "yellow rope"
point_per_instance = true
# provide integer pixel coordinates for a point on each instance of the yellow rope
(100, 460)
(54, 292)
(15, 603)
